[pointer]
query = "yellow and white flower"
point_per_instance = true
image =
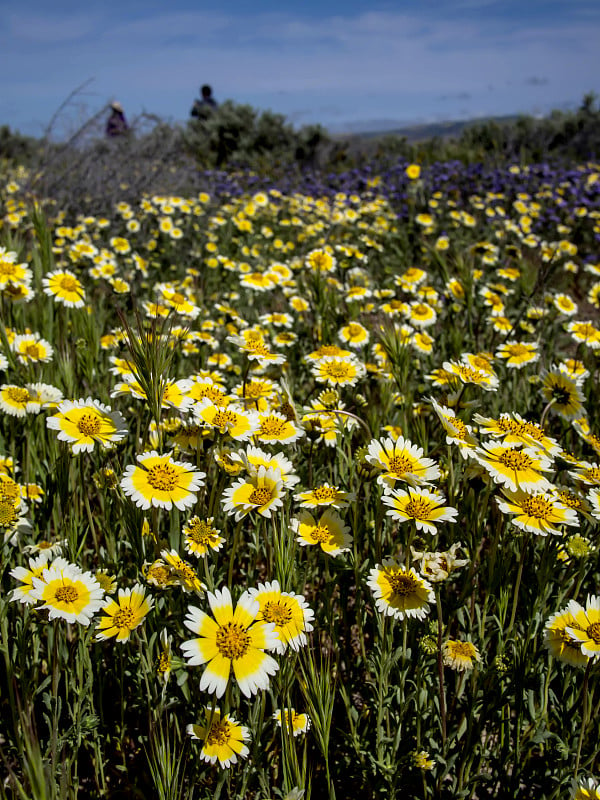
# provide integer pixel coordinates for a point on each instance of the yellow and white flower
(328, 531)
(297, 723)
(30, 348)
(223, 739)
(290, 613)
(124, 615)
(239, 423)
(232, 641)
(336, 371)
(400, 460)
(459, 655)
(18, 401)
(586, 626)
(65, 288)
(560, 642)
(67, 593)
(400, 592)
(421, 505)
(325, 495)
(83, 423)
(538, 512)
(516, 468)
(200, 536)
(161, 482)
(261, 492)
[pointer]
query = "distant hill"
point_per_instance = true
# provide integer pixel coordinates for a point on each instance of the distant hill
(372, 129)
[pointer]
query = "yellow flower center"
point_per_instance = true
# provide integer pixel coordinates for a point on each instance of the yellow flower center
(33, 350)
(177, 298)
(532, 431)
(276, 611)
(88, 424)
(463, 650)
(255, 389)
(200, 532)
(104, 580)
(354, 330)
(324, 494)
(517, 350)
(8, 514)
(124, 618)
(401, 583)
(223, 419)
(337, 370)
(508, 425)
(592, 474)
(418, 508)
(216, 395)
(218, 734)
(320, 261)
(185, 571)
(17, 395)
(159, 575)
(461, 428)
(8, 488)
(468, 375)
(400, 465)
(271, 426)
(162, 477)
(66, 594)
(320, 534)
(328, 350)
(232, 640)
(585, 329)
(260, 496)
(515, 460)
(164, 663)
(421, 311)
(593, 631)
(536, 507)
(261, 350)
(69, 284)
(569, 499)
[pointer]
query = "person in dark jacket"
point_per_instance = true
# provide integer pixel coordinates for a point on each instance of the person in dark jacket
(204, 106)
(116, 124)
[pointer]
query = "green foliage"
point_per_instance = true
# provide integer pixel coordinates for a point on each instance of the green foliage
(16, 148)
(239, 134)
(560, 136)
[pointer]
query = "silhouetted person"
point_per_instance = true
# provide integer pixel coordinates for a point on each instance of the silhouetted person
(116, 124)
(206, 105)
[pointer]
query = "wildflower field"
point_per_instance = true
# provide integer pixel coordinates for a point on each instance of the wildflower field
(300, 488)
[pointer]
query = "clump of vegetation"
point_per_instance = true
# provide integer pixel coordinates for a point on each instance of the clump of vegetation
(239, 135)
(16, 148)
(300, 490)
(235, 146)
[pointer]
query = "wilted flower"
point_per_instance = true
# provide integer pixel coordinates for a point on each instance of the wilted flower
(437, 567)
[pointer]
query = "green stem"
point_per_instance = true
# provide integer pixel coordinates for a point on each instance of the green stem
(518, 584)
(584, 716)
(234, 547)
(440, 664)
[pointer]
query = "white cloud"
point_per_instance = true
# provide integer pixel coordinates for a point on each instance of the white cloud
(368, 61)
(50, 29)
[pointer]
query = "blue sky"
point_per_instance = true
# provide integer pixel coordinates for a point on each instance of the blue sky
(338, 63)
